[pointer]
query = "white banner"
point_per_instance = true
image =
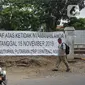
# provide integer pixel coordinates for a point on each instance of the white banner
(29, 43)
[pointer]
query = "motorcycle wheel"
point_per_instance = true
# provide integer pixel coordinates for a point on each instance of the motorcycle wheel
(0, 83)
(4, 82)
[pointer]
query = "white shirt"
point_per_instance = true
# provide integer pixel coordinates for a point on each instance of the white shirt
(61, 49)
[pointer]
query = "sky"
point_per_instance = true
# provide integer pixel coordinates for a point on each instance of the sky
(82, 13)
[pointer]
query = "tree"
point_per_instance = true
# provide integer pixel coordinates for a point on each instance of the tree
(78, 24)
(47, 12)
(19, 15)
(57, 10)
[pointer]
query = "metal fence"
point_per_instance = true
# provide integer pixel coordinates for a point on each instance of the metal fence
(79, 39)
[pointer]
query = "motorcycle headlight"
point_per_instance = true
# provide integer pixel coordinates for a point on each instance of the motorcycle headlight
(4, 72)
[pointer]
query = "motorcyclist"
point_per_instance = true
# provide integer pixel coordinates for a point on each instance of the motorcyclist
(3, 74)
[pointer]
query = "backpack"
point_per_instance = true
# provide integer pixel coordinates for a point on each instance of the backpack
(67, 50)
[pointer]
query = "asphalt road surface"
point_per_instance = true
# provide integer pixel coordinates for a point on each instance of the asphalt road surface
(64, 79)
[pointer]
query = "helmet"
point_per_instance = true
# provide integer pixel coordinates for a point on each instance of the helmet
(4, 72)
(0, 69)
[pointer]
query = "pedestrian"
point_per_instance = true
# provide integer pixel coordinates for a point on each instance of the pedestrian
(62, 56)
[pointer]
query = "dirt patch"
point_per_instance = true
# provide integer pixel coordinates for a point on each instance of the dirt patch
(38, 66)
(25, 61)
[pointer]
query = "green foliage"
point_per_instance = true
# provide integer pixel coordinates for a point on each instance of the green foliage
(19, 16)
(32, 14)
(78, 24)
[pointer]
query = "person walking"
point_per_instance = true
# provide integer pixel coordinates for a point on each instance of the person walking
(62, 56)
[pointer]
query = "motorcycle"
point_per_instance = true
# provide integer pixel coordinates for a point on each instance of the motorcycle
(3, 79)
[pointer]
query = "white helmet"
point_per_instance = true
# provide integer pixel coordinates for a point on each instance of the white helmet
(4, 72)
(0, 69)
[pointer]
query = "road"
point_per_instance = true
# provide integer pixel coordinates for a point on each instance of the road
(64, 79)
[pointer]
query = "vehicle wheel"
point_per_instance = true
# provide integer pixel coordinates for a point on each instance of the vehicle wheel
(4, 82)
(0, 83)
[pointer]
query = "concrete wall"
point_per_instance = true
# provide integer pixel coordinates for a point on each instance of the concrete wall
(69, 33)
